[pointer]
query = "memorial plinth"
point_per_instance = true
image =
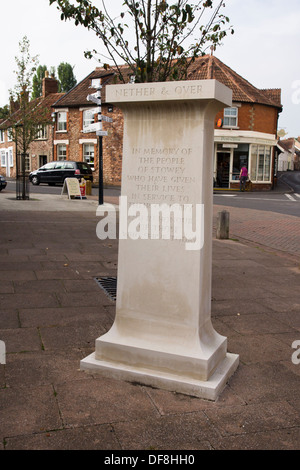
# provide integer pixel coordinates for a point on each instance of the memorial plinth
(162, 334)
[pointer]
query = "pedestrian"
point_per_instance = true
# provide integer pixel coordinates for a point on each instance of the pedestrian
(243, 178)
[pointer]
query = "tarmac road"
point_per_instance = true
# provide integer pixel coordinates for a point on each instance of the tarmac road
(283, 200)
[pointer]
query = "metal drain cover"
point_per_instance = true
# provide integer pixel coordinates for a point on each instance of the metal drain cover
(109, 285)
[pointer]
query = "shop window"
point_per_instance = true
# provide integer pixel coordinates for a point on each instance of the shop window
(230, 117)
(260, 163)
(240, 158)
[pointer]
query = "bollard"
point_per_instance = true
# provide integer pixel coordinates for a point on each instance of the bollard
(223, 225)
(88, 188)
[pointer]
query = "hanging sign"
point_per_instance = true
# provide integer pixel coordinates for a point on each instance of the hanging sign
(95, 126)
(101, 133)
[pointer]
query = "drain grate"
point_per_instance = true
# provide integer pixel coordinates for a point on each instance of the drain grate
(109, 285)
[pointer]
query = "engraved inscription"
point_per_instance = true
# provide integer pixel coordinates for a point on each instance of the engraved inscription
(161, 175)
(151, 91)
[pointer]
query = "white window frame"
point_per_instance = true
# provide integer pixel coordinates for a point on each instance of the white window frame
(63, 155)
(9, 134)
(27, 162)
(86, 153)
(230, 114)
(3, 158)
(42, 132)
(88, 117)
(2, 135)
(62, 118)
(11, 157)
(267, 153)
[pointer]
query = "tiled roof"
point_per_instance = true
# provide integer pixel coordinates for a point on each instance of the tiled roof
(42, 106)
(203, 68)
(77, 96)
(287, 144)
(210, 67)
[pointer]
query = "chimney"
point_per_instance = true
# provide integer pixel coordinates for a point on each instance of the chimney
(13, 106)
(50, 85)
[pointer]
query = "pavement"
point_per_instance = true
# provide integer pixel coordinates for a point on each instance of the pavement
(52, 310)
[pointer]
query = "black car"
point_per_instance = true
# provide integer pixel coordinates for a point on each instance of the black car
(3, 183)
(57, 172)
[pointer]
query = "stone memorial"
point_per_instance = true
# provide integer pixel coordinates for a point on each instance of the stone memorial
(162, 335)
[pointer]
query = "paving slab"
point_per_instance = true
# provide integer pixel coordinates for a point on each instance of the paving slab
(52, 310)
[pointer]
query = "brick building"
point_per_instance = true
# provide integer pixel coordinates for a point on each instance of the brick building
(41, 149)
(244, 134)
(74, 113)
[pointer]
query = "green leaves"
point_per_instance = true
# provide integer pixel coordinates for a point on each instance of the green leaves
(161, 39)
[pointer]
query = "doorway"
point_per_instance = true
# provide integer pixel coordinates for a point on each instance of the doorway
(42, 160)
(223, 165)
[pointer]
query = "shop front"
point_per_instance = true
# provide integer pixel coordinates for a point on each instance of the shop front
(251, 149)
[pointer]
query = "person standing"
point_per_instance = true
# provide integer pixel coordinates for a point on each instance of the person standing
(243, 178)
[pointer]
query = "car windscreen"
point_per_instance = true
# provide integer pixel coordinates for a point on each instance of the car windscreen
(48, 166)
(83, 166)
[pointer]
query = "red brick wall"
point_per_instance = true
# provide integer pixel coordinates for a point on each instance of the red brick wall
(41, 147)
(113, 148)
(255, 117)
(112, 144)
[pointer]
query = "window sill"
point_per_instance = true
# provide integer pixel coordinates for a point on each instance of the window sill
(230, 127)
(61, 132)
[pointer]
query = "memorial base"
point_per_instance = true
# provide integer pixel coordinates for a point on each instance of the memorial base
(207, 389)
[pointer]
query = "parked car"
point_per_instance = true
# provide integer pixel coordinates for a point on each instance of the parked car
(3, 182)
(57, 172)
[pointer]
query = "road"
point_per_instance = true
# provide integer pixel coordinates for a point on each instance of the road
(287, 203)
(285, 199)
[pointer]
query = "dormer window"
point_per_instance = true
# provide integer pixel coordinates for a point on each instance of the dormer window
(230, 117)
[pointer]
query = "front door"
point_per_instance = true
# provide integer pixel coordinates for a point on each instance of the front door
(223, 166)
(43, 160)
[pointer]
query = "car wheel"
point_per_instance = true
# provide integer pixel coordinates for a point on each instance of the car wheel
(35, 180)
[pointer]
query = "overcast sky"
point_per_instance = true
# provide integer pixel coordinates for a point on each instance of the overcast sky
(264, 48)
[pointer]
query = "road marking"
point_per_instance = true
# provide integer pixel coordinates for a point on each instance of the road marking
(290, 197)
(226, 195)
(298, 195)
